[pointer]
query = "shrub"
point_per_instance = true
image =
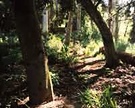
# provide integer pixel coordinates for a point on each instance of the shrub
(95, 99)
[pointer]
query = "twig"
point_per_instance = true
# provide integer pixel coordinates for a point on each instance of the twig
(23, 101)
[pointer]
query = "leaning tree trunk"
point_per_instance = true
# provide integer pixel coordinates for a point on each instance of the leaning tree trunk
(111, 58)
(32, 50)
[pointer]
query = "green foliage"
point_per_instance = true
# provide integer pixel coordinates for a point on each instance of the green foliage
(95, 99)
(54, 76)
(15, 55)
(107, 99)
(92, 47)
(9, 57)
(88, 38)
(85, 36)
(58, 51)
(90, 99)
(131, 49)
(89, 32)
(65, 55)
(124, 45)
(55, 43)
(95, 34)
(121, 46)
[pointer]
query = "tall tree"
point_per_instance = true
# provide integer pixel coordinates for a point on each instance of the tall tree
(110, 14)
(116, 22)
(69, 28)
(32, 50)
(78, 12)
(132, 33)
(111, 57)
(45, 21)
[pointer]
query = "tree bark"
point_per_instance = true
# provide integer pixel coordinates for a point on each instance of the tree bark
(32, 51)
(111, 58)
(132, 34)
(115, 25)
(69, 29)
(78, 17)
(45, 21)
(110, 14)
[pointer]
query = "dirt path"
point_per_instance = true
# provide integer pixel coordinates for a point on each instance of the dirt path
(89, 73)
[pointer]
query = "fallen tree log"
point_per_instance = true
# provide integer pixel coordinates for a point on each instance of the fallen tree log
(125, 57)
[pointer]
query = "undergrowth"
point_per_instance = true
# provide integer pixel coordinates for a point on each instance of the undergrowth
(95, 99)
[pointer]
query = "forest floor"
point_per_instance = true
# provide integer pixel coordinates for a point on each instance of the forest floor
(87, 73)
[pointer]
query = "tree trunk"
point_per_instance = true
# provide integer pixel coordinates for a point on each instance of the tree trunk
(110, 14)
(111, 58)
(32, 51)
(78, 17)
(116, 22)
(45, 21)
(116, 27)
(132, 34)
(69, 28)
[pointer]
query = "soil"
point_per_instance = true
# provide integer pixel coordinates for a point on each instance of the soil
(88, 72)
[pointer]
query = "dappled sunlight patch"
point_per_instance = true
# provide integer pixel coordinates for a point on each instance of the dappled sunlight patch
(97, 66)
(121, 79)
(55, 43)
(88, 64)
(58, 102)
(131, 49)
(92, 47)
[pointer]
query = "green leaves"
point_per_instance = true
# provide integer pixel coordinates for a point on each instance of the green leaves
(107, 98)
(96, 99)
